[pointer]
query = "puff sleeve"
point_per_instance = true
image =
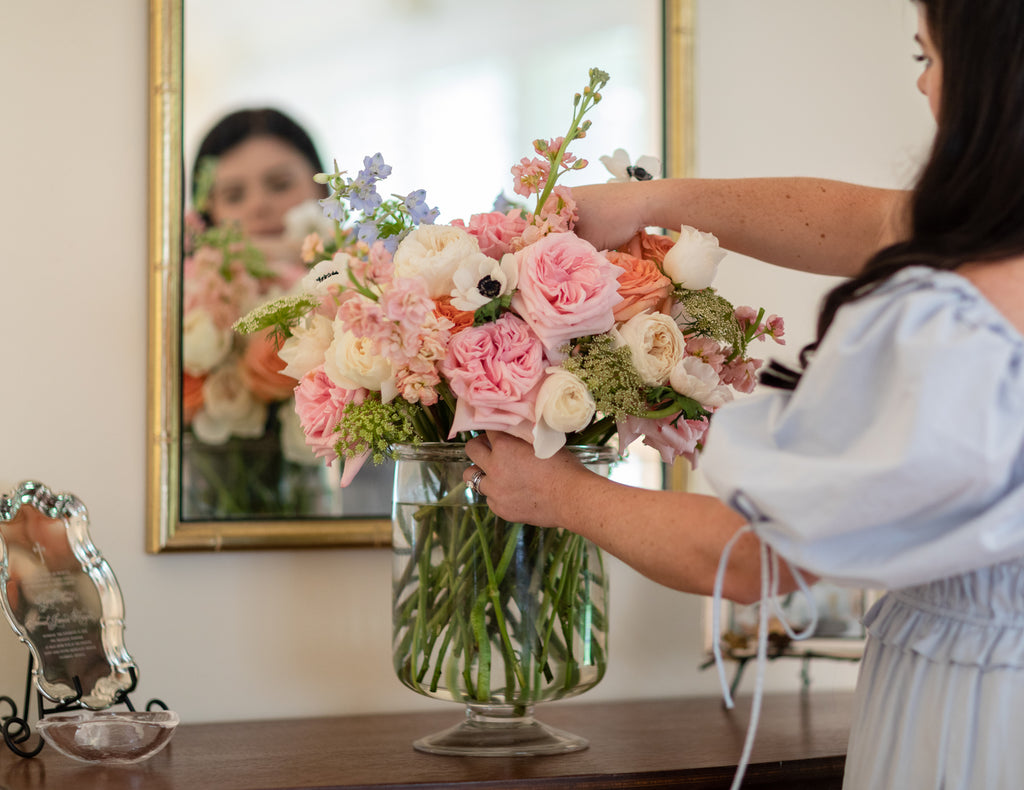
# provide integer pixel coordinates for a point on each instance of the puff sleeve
(898, 459)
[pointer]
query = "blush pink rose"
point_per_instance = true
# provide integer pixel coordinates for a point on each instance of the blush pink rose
(642, 286)
(494, 231)
(495, 371)
(567, 289)
(321, 404)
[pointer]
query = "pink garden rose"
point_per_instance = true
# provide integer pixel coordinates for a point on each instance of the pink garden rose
(567, 289)
(494, 231)
(495, 371)
(321, 404)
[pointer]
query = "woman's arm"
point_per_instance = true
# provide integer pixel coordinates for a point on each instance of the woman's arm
(674, 538)
(810, 224)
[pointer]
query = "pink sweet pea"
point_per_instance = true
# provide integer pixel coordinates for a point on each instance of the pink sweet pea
(495, 371)
(567, 289)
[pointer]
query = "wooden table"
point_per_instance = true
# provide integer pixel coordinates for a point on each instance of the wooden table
(692, 743)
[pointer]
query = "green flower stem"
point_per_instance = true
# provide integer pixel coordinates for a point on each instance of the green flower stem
(493, 582)
(459, 607)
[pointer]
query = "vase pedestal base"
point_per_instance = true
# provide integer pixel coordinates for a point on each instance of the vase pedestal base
(500, 731)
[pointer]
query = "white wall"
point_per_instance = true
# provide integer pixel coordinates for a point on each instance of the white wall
(810, 87)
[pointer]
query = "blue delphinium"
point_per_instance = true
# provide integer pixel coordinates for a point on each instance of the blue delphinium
(416, 205)
(385, 220)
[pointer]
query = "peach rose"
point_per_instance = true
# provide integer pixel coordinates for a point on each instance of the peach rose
(462, 319)
(261, 369)
(649, 246)
(191, 396)
(642, 286)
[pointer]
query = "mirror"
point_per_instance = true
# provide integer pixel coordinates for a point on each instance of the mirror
(451, 109)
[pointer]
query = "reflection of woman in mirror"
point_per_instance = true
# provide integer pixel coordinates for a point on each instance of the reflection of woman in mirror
(255, 166)
(254, 195)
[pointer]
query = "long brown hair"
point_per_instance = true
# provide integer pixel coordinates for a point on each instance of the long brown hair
(968, 203)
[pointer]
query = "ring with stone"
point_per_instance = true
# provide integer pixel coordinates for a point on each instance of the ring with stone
(474, 481)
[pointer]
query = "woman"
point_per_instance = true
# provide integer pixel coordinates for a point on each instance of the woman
(895, 458)
(252, 168)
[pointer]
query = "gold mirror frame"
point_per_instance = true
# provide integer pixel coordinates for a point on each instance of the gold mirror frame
(165, 530)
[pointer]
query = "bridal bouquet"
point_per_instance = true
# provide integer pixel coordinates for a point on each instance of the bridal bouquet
(406, 332)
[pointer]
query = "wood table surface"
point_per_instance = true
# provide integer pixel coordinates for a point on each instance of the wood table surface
(684, 742)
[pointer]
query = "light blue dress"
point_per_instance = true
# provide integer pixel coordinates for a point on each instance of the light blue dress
(898, 464)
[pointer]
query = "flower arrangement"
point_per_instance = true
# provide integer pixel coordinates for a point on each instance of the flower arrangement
(406, 332)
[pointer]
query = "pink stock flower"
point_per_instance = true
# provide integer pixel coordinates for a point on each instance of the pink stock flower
(706, 349)
(365, 318)
(416, 363)
(495, 370)
(559, 212)
(530, 175)
(567, 289)
(745, 316)
(775, 328)
(382, 268)
(742, 374)
(494, 231)
(670, 439)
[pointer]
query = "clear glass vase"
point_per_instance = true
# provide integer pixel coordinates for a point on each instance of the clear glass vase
(495, 615)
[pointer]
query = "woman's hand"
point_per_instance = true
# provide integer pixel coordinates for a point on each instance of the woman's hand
(609, 214)
(518, 485)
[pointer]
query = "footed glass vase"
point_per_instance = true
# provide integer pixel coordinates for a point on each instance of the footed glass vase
(494, 615)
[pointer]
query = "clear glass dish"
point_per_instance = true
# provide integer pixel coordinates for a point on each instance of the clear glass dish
(118, 737)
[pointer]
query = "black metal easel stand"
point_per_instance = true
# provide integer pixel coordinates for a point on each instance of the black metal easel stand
(16, 729)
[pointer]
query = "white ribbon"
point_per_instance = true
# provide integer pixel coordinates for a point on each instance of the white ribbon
(769, 598)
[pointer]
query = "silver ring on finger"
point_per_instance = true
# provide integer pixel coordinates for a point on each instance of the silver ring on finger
(474, 481)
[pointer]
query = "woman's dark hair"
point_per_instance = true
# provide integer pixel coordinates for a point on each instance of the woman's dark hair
(241, 125)
(968, 204)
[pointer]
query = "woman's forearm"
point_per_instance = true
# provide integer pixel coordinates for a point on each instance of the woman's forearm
(808, 224)
(674, 538)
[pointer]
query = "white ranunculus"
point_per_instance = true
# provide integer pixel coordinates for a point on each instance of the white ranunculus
(229, 408)
(305, 349)
(693, 260)
(204, 345)
(564, 404)
(351, 362)
(433, 253)
(656, 343)
(479, 279)
(697, 379)
(325, 273)
(308, 217)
